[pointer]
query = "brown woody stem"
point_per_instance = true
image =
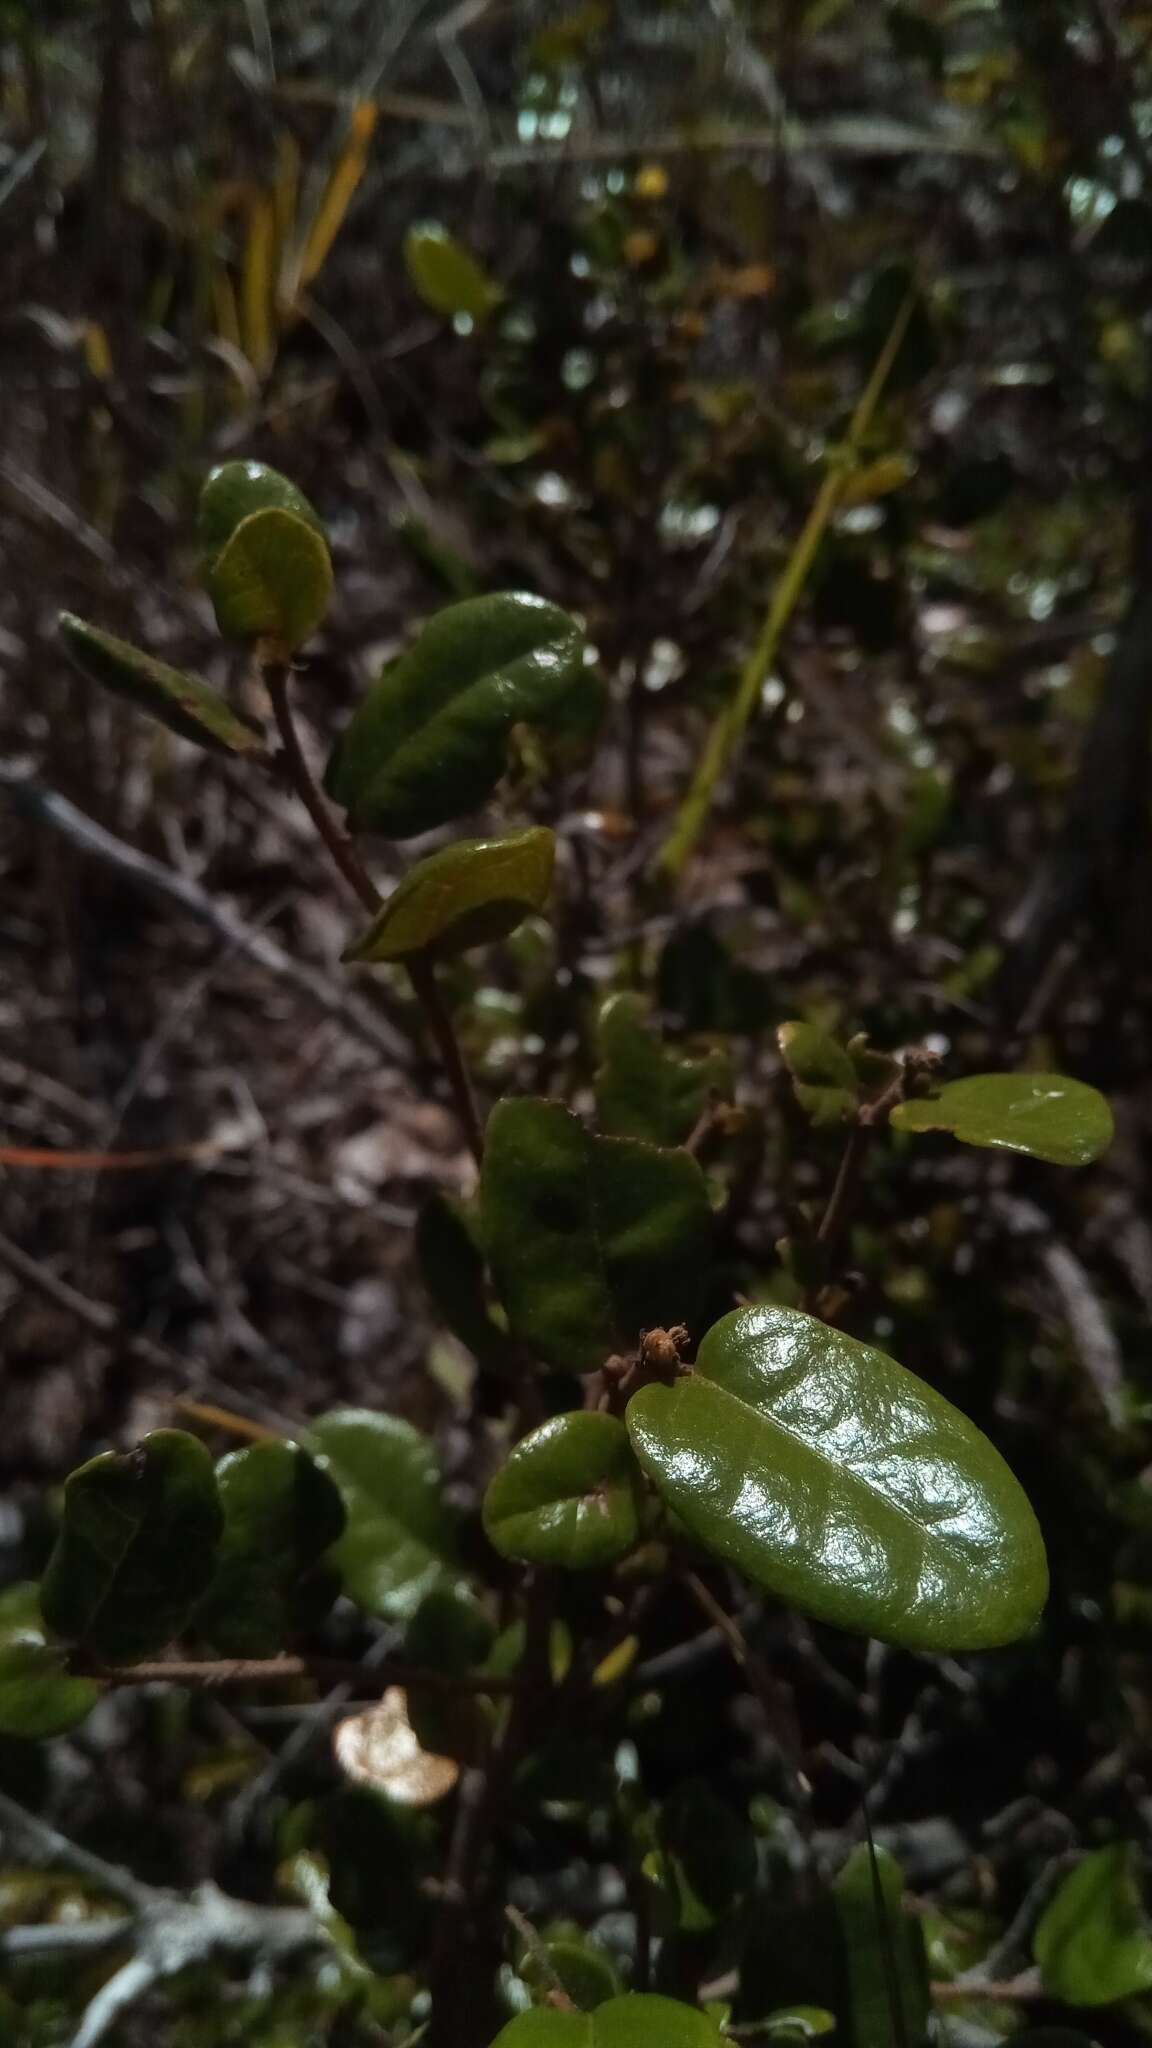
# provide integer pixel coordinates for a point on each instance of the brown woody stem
(441, 1028)
(222, 1671)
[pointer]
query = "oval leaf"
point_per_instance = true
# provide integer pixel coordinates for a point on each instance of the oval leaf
(281, 1513)
(1093, 1942)
(428, 742)
(38, 1697)
(400, 1537)
(843, 1484)
(591, 1240)
(446, 274)
(640, 2019)
(643, 1090)
(234, 490)
(853, 1949)
(380, 1748)
(272, 579)
(136, 1547)
(182, 702)
(1046, 1116)
(468, 894)
(567, 1495)
(823, 1076)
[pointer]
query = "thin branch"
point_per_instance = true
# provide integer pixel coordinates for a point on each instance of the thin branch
(214, 1672)
(426, 988)
(276, 674)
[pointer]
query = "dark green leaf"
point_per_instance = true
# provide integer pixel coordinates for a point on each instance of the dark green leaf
(843, 1484)
(272, 579)
(136, 1547)
(567, 1494)
(638, 2020)
(1093, 1942)
(234, 490)
(182, 702)
(452, 1265)
(644, 1090)
(281, 1513)
(449, 1631)
(1045, 1115)
(37, 1697)
(446, 274)
(591, 1240)
(428, 742)
(400, 1538)
(580, 1966)
(823, 1076)
(467, 894)
(711, 1845)
(834, 1954)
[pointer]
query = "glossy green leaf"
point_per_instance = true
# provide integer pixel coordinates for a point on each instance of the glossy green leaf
(38, 1698)
(843, 1484)
(591, 1240)
(835, 1953)
(428, 742)
(272, 579)
(823, 1075)
(400, 1536)
(645, 1090)
(446, 274)
(567, 1494)
(182, 702)
(467, 894)
(1045, 1115)
(136, 1547)
(234, 490)
(281, 1513)
(1093, 1941)
(638, 2020)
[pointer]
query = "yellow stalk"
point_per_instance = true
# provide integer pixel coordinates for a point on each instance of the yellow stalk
(259, 246)
(336, 197)
(728, 727)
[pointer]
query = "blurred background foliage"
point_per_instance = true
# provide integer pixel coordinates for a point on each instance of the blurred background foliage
(580, 300)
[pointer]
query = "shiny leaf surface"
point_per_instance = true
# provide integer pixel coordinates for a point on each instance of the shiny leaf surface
(1046, 1116)
(591, 1240)
(234, 490)
(272, 579)
(428, 742)
(823, 1076)
(38, 1698)
(446, 274)
(638, 2020)
(281, 1513)
(182, 702)
(136, 1547)
(467, 894)
(567, 1494)
(1093, 1941)
(400, 1538)
(645, 1090)
(843, 1484)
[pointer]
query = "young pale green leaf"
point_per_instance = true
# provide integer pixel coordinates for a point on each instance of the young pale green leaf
(1046, 1116)
(1093, 1941)
(644, 1090)
(428, 742)
(582, 1967)
(640, 2019)
(591, 1240)
(823, 1076)
(38, 1697)
(567, 1494)
(400, 1537)
(836, 1953)
(272, 579)
(234, 490)
(446, 274)
(468, 894)
(136, 1547)
(281, 1513)
(182, 702)
(843, 1484)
